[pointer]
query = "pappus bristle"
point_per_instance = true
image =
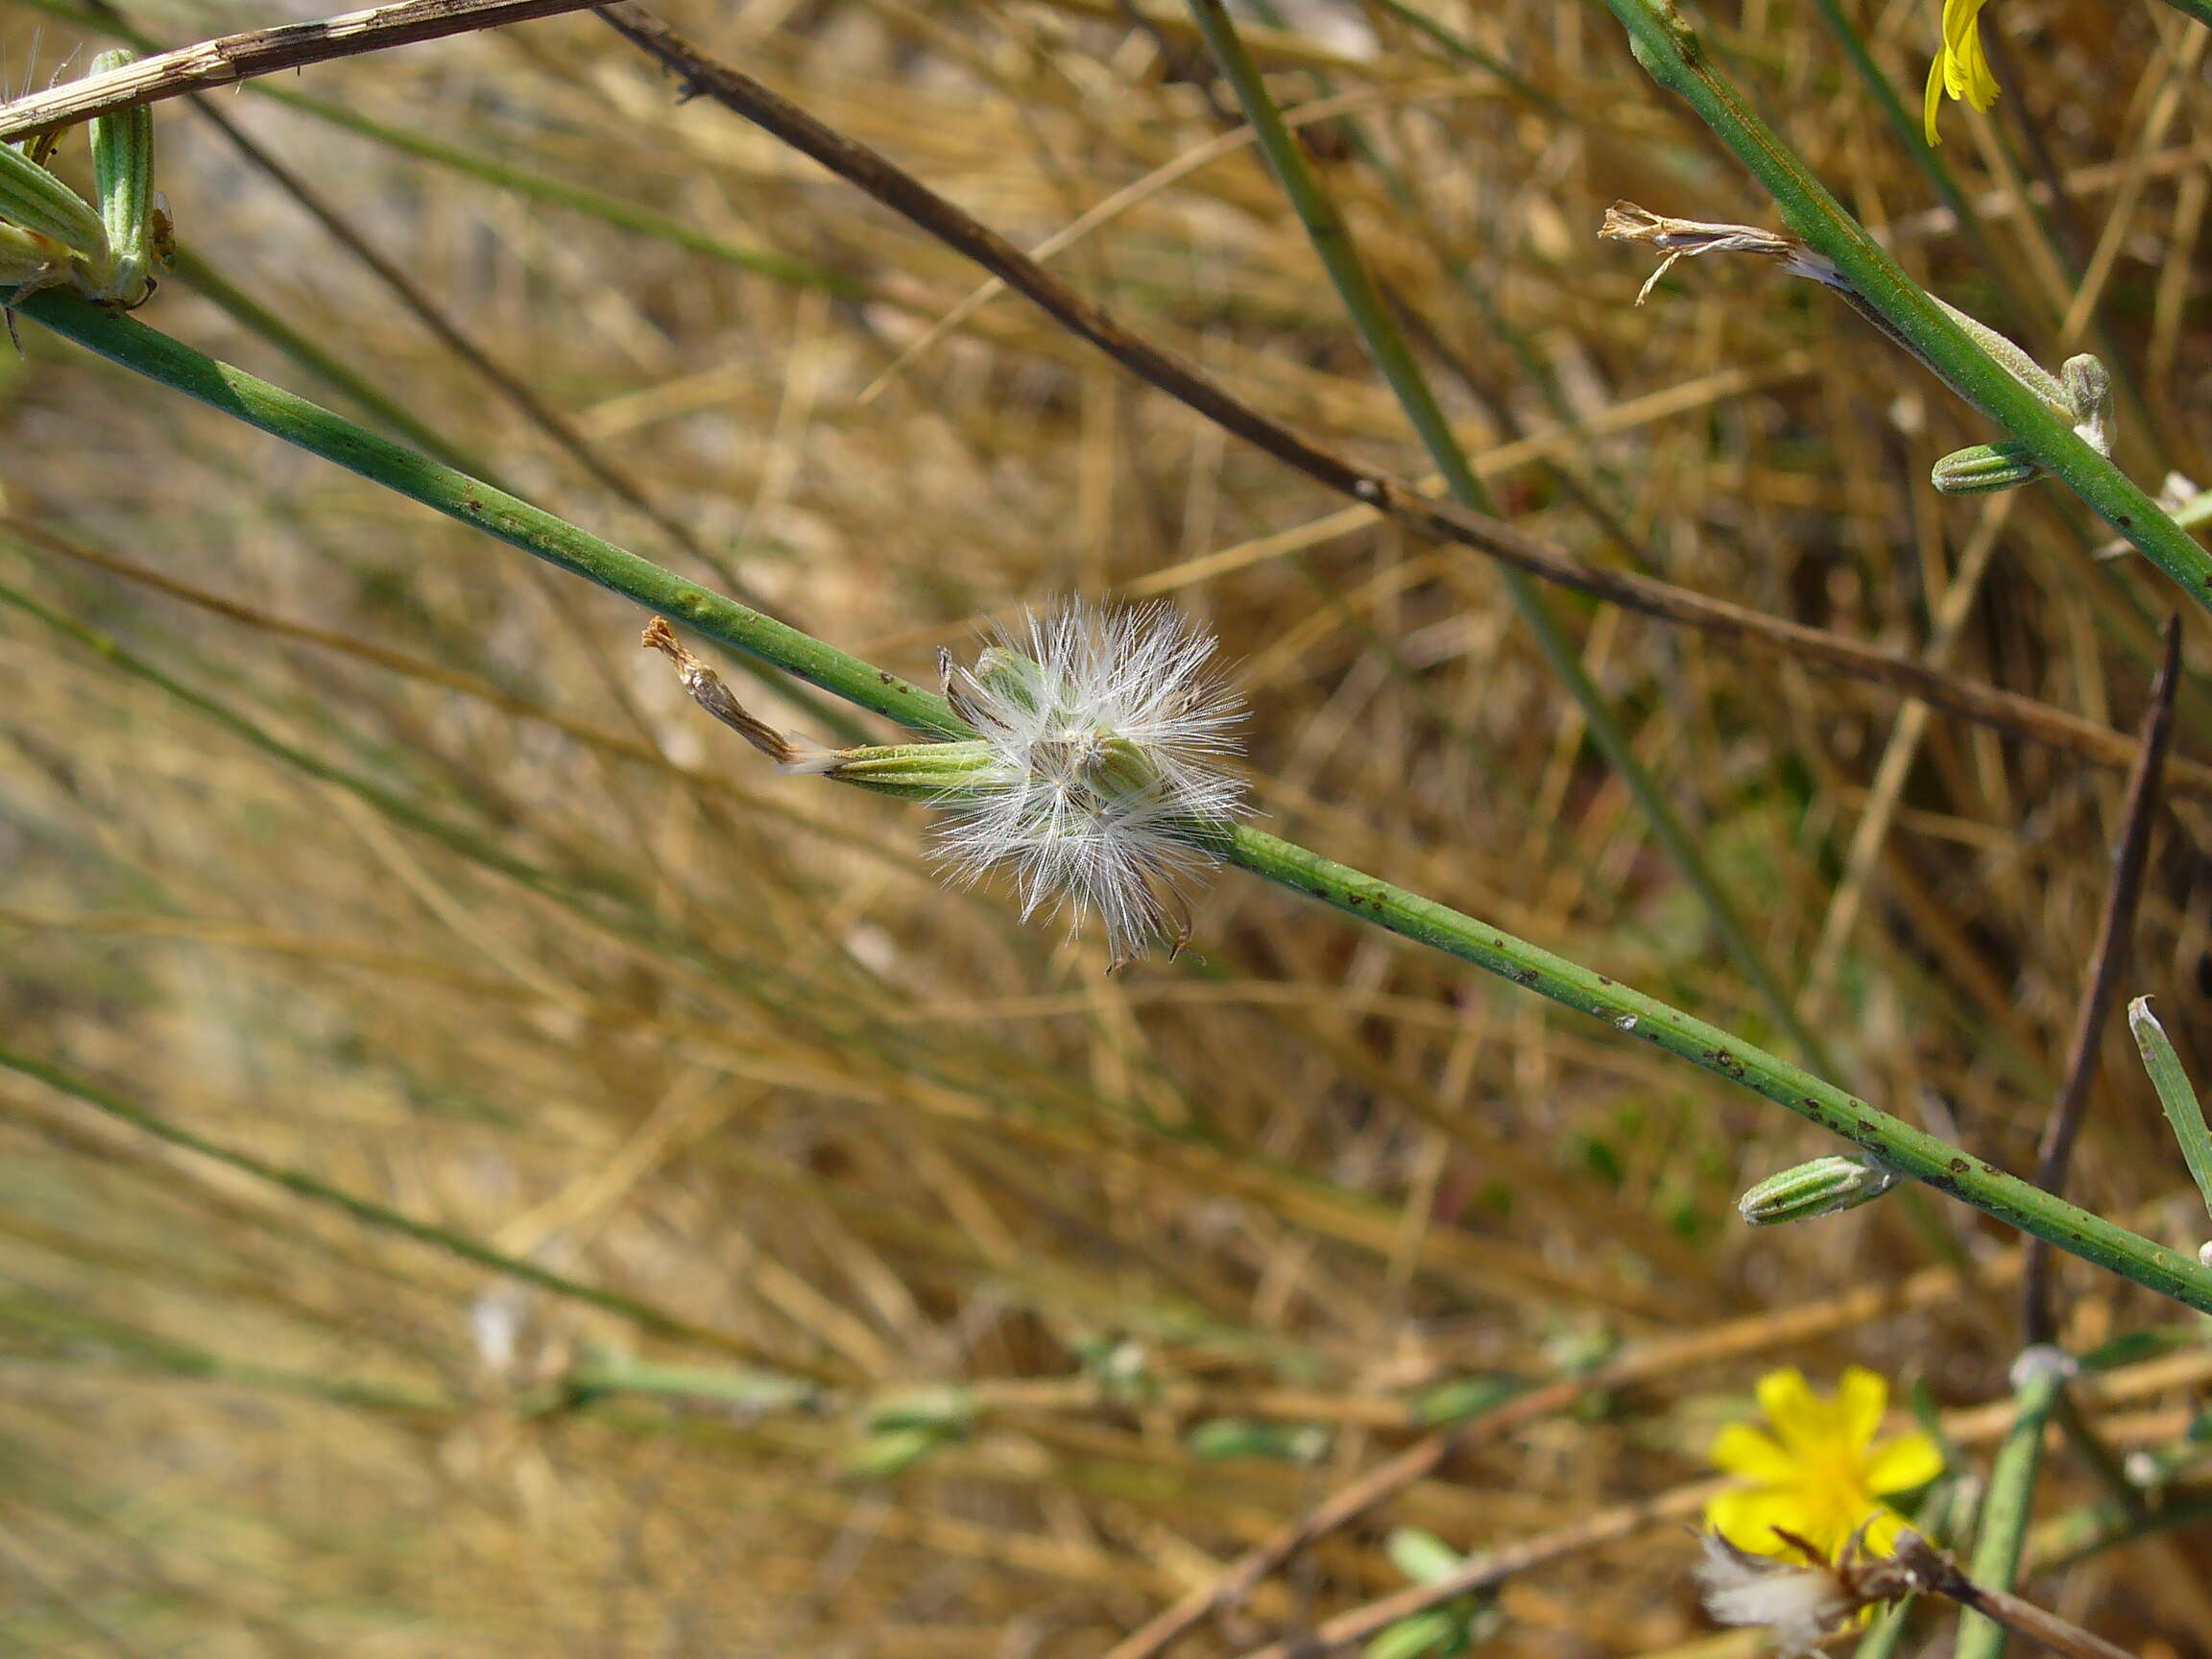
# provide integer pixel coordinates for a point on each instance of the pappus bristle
(1107, 792)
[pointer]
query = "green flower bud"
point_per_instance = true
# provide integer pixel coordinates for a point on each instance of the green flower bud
(1839, 1181)
(1985, 468)
(911, 771)
(1121, 772)
(1011, 675)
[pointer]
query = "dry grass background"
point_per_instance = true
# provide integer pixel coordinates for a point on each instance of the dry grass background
(745, 1062)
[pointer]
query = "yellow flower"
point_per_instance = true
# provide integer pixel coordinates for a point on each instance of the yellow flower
(1820, 1473)
(1959, 68)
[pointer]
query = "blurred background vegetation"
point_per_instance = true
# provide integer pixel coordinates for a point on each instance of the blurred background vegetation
(788, 1142)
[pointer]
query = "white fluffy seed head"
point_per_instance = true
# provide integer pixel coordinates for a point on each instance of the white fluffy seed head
(1108, 731)
(1799, 1604)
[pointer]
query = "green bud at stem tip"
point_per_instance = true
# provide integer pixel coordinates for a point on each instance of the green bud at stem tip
(910, 771)
(1839, 1181)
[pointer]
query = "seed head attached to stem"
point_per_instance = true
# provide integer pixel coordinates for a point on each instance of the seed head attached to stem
(1097, 778)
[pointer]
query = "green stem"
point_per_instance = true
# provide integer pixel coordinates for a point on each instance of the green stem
(1386, 345)
(1356, 893)
(1667, 47)
(149, 1352)
(1888, 1631)
(249, 313)
(1896, 1142)
(1905, 125)
(365, 1210)
(130, 344)
(2003, 1532)
(599, 1371)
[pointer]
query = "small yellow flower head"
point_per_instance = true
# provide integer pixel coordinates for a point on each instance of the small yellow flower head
(1960, 67)
(1818, 1474)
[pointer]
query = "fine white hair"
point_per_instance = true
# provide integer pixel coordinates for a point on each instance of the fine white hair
(1108, 731)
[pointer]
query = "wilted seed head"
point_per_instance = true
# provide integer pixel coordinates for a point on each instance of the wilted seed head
(1107, 731)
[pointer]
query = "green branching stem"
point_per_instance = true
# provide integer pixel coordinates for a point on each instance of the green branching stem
(364, 1210)
(1667, 47)
(1354, 892)
(1387, 347)
(1897, 1144)
(2003, 1532)
(126, 342)
(1904, 124)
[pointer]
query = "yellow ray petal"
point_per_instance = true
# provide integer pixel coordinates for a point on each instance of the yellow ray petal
(1747, 1520)
(1901, 1464)
(1801, 1423)
(1743, 1450)
(1861, 1398)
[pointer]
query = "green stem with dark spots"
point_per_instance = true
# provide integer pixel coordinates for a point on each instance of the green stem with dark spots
(1354, 892)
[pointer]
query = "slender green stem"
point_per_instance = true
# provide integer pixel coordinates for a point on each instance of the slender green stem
(1888, 1631)
(1905, 125)
(1896, 1142)
(1466, 51)
(363, 1210)
(1667, 48)
(2003, 1532)
(2175, 1093)
(125, 341)
(219, 291)
(148, 1351)
(1386, 345)
(249, 313)
(1354, 892)
(601, 1371)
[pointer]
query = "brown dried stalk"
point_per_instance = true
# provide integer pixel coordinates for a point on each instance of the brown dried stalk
(234, 58)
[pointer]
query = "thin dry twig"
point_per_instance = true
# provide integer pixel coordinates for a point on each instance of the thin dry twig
(2108, 959)
(1339, 1511)
(1939, 1574)
(235, 58)
(1493, 1566)
(519, 392)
